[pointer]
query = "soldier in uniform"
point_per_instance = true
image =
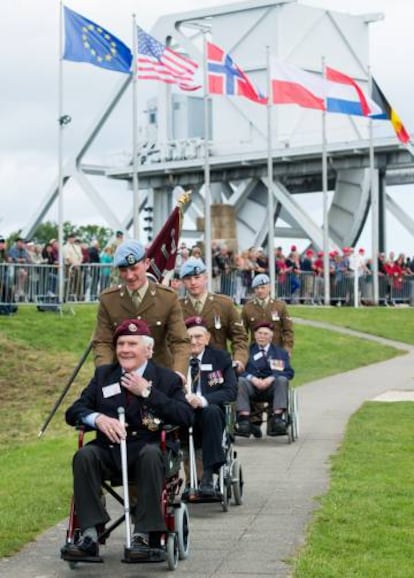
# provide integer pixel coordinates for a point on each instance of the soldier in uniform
(137, 297)
(263, 308)
(219, 312)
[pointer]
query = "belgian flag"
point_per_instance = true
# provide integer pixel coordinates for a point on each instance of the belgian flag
(389, 113)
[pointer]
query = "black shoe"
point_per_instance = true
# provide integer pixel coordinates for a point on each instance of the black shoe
(243, 428)
(83, 550)
(277, 426)
(256, 430)
(139, 549)
(206, 485)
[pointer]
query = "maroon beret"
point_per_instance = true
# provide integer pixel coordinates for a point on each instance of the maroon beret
(132, 327)
(261, 324)
(195, 321)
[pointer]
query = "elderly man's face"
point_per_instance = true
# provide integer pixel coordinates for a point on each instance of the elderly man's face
(131, 351)
(199, 338)
(263, 336)
(134, 277)
(196, 285)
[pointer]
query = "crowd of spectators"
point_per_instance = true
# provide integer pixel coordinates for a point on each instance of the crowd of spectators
(82, 262)
(299, 275)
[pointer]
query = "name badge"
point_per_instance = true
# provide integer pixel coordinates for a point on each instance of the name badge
(206, 367)
(257, 355)
(111, 390)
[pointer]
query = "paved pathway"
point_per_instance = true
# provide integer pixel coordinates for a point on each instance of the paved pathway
(282, 481)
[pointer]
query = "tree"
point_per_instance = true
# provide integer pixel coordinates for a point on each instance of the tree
(86, 233)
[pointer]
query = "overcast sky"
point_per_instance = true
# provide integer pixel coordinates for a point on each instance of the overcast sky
(29, 39)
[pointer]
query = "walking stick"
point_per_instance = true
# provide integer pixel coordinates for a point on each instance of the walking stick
(66, 389)
(124, 463)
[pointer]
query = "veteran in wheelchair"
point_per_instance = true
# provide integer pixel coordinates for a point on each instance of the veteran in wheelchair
(126, 403)
(212, 384)
(266, 379)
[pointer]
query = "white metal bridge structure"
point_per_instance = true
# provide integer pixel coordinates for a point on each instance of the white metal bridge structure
(171, 157)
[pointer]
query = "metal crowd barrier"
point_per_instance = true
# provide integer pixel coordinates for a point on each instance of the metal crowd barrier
(20, 283)
(24, 283)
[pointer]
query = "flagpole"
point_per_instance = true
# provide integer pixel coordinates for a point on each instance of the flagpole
(271, 216)
(373, 179)
(135, 181)
(60, 162)
(207, 191)
(327, 298)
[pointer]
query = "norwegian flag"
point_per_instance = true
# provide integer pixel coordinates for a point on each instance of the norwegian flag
(226, 78)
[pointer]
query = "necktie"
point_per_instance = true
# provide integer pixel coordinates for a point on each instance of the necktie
(198, 306)
(195, 373)
(136, 298)
(263, 350)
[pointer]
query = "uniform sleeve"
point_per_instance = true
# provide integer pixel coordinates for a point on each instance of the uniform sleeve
(102, 339)
(178, 340)
(286, 329)
(237, 336)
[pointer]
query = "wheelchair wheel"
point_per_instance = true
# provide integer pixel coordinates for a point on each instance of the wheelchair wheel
(223, 488)
(293, 415)
(237, 483)
(182, 527)
(172, 551)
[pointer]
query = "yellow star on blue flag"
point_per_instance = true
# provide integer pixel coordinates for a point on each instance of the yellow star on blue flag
(86, 41)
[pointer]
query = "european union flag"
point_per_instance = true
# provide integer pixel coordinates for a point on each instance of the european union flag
(86, 41)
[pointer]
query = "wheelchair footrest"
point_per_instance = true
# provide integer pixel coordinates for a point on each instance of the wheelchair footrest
(196, 496)
(132, 556)
(88, 559)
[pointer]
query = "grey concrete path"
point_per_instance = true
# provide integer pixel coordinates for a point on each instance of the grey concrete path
(282, 483)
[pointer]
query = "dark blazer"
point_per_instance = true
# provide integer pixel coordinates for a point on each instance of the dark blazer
(218, 383)
(275, 363)
(166, 402)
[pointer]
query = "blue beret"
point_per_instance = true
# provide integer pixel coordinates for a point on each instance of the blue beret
(129, 253)
(192, 266)
(261, 279)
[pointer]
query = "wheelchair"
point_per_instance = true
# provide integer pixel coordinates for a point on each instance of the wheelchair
(229, 482)
(292, 416)
(174, 542)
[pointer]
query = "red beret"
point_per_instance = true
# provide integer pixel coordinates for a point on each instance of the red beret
(132, 327)
(309, 252)
(195, 321)
(261, 324)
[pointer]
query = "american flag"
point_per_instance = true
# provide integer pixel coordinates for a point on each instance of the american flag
(226, 78)
(157, 61)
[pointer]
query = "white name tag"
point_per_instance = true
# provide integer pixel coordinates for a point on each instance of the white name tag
(258, 355)
(111, 390)
(206, 367)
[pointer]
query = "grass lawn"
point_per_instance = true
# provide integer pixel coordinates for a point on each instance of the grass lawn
(365, 525)
(391, 322)
(39, 353)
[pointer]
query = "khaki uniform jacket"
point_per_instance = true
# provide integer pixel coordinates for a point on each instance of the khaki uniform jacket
(160, 309)
(274, 312)
(223, 322)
